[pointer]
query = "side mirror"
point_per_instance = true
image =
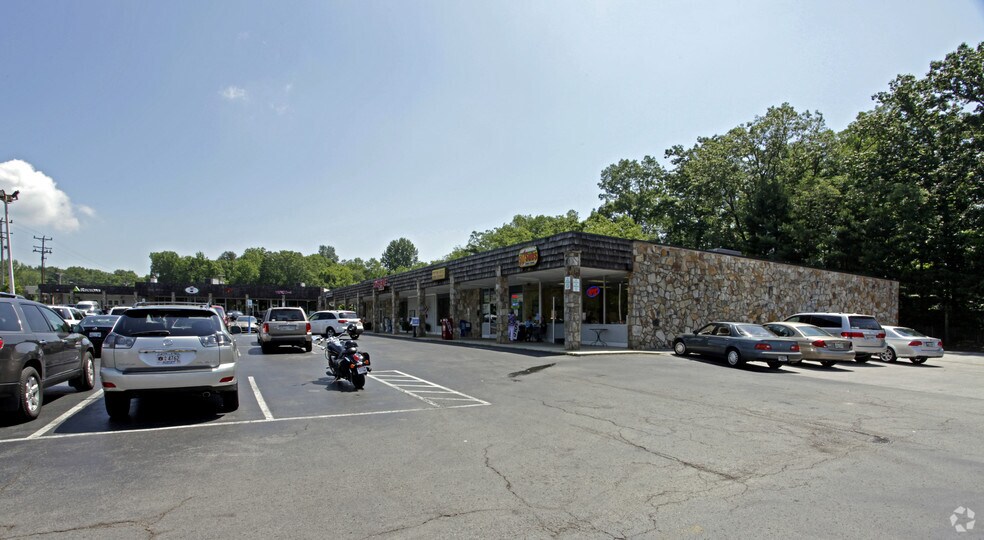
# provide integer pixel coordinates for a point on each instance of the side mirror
(77, 328)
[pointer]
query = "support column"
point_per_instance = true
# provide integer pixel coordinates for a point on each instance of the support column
(373, 315)
(421, 309)
(501, 306)
(572, 301)
(395, 326)
(453, 300)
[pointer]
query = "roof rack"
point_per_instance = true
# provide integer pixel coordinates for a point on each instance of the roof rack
(10, 295)
(189, 304)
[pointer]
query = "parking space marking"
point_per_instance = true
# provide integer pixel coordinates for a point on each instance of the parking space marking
(65, 416)
(413, 386)
(259, 399)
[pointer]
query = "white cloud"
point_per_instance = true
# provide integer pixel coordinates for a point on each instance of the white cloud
(233, 93)
(40, 203)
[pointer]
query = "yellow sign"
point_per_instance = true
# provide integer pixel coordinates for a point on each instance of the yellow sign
(529, 257)
(439, 274)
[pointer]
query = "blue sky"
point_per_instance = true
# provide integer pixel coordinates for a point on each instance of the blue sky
(132, 127)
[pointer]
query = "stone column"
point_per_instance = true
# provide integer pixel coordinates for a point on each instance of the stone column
(572, 301)
(421, 309)
(502, 306)
(453, 301)
(396, 306)
(373, 314)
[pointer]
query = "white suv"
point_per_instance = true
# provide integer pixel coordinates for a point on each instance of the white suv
(867, 336)
(173, 348)
(333, 322)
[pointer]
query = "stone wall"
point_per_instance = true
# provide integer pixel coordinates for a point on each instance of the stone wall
(468, 307)
(674, 291)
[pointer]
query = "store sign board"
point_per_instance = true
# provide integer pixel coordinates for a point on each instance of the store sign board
(439, 274)
(379, 284)
(529, 257)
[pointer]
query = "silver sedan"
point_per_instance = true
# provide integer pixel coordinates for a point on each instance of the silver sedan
(908, 343)
(815, 342)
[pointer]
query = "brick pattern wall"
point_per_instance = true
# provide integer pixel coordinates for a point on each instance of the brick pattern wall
(674, 291)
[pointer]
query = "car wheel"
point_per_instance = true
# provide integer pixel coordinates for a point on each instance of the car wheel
(31, 394)
(828, 363)
(888, 355)
(230, 400)
(862, 358)
(329, 332)
(680, 348)
(734, 358)
(87, 379)
(308, 347)
(919, 360)
(774, 364)
(117, 405)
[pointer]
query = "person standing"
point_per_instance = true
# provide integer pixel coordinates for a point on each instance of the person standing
(512, 326)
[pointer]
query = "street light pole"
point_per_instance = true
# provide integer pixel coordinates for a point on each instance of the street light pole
(7, 199)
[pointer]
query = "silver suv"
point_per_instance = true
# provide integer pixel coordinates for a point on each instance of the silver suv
(866, 335)
(157, 348)
(284, 326)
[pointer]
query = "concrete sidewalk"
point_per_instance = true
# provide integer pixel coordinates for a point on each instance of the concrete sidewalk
(526, 347)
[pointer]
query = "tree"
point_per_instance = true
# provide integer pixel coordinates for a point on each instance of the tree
(328, 252)
(399, 254)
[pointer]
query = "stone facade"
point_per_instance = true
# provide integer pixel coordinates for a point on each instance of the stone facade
(674, 291)
(468, 307)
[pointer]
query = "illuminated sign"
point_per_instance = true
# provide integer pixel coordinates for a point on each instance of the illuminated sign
(529, 257)
(593, 291)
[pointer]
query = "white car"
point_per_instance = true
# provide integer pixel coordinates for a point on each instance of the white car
(908, 343)
(333, 322)
(175, 348)
(70, 314)
(89, 307)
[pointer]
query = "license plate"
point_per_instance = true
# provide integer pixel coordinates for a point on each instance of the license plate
(289, 327)
(361, 370)
(95, 334)
(783, 358)
(168, 359)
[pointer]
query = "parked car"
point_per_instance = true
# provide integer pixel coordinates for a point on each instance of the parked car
(244, 324)
(222, 314)
(38, 349)
(334, 322)
(96, 328)
(89, 307)
(69, 313)
(168, 348)
(284, 326)
(739, 343)
(908, 343)
(117, 310)
(815, 343)
(866, 335)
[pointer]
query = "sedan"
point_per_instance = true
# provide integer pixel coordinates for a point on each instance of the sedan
(244, 324)
(815, 342)
(908, 343)
(739, 343)
(96, 328)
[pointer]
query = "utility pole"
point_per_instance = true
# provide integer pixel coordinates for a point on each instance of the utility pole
(7, 199)
(43, 251)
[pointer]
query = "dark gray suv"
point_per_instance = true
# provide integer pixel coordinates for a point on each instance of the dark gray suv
(39, 349)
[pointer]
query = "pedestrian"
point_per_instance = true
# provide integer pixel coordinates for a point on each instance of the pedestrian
(512, 326)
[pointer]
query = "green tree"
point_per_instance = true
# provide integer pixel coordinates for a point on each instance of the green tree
(399, 254)
(168, 266)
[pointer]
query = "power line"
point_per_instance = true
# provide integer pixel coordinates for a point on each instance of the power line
(43, 251)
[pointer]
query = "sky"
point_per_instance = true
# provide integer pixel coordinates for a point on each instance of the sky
(136, 127)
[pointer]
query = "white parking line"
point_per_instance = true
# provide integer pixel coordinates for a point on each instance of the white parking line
(57, 421)
(259, 399)
(402, 382)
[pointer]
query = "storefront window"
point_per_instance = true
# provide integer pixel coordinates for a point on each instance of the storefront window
(605, 301)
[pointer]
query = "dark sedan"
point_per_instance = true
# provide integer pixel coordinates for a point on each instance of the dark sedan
(96, 328)
(739, 343)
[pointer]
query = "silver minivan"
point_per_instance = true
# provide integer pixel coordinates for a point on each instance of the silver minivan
(867, 336)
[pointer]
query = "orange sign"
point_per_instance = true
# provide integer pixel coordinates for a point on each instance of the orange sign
(529, 257)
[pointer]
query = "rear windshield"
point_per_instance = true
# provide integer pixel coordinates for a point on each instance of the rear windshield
(167, 322)
(348, 315)
(754, 330)
(813, 331)
(909, 332)
(100, 320)
(286, 315)
(864, 323)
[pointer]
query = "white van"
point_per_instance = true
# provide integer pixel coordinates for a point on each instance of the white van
(89, 307)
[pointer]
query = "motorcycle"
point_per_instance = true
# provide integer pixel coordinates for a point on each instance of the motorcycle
(345, 361)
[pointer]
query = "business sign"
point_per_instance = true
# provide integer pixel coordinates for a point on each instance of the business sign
(593, 291)
(283, 292)
(439, 274)
(529, 257)
(192, 290)
(86, 290)
(379, 284)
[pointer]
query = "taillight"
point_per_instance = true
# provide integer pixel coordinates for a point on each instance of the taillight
(342, 321)
(853, 334)
(881, 335)
(795, 347)
(357, 357)
(266, 328)
(915, 343)
(1, 343)
(351, 366)
(308, 328)
(219, 339)
(763, 346)
(819, 343)
(116, 341)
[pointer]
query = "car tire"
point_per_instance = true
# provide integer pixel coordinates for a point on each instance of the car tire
(888, 355)
(308, 346)
(87, 379)
(680, 348)
(330, 332)
(734, 358)
(264, 348)
(30, 394)
(230, 400)
(774, 364)
(117, 405)
(919, 360)
(862, 358)
(828, 363)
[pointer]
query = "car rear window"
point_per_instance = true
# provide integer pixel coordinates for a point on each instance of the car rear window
(754, 331)
(909, 332)
(167, 322)
(348, 315)
(8, 318)
(813, 331)
(864, 323)
(286, 315)
(99, 320)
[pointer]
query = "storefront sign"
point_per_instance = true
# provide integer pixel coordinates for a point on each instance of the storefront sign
(379, 284)
(86, 290)
(439, 274)
(593, 291)
(283, 292)
(529, 257)
(192, 290)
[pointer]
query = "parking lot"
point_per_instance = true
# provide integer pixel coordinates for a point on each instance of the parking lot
(449, 441)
